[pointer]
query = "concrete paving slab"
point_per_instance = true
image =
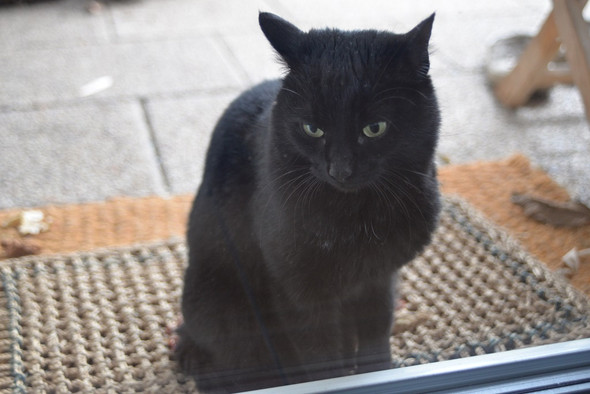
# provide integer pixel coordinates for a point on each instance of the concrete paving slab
(350, 14)
(255, 55)
(182, 128)
(137, 69)
(51, 24)
(563, 104)
(465, 42)
(554, 134)
(473, 126)
(77, 153)
(466, 9)
(156, 18)
(178, 62)
(399, 15)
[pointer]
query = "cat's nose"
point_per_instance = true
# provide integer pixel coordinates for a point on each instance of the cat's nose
(340, 172)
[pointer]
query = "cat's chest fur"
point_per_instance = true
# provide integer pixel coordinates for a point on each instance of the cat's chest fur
(337, 239)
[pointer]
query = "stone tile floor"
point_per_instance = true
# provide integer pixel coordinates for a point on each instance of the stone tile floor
(168, 68)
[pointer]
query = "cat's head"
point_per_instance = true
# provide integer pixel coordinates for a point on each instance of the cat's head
(355, 105)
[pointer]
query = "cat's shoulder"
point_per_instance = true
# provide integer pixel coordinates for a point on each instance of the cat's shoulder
(252, 103)
(233, 144)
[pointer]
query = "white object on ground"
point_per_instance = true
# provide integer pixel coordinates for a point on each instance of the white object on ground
(96, 86)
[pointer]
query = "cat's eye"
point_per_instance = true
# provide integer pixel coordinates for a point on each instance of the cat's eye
(375, 129)
(313, 131)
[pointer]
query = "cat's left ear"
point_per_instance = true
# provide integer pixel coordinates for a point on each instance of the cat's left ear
(282, 35)
(418, 39)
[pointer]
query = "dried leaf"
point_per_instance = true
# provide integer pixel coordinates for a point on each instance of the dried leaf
(568, 214)
(18, 248)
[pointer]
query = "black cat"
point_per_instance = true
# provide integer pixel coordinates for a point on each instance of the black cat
(317, 189)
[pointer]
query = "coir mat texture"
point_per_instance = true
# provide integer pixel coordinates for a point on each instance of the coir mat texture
(96, 321)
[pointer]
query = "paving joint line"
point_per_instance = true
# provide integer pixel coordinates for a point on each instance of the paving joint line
(143, 102)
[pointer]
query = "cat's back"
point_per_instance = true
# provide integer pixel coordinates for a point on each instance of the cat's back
(232, 152)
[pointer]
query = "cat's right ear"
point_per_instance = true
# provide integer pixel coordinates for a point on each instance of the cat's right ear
(284, 37)
(419, 37)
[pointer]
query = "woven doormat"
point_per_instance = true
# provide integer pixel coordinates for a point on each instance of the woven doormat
(96, 322)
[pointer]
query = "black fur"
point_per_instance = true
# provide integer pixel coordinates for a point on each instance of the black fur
(295, 240)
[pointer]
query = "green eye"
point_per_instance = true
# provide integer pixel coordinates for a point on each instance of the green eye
(313, 131)
(375, 129)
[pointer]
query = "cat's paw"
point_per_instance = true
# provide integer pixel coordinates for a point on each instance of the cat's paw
(172, 332)
(190, 357)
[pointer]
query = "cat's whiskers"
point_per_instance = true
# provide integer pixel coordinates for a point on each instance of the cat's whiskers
(279, 173)
(288, 173)
(374, 233)
(311, 186)
(296, 184)
(405, 180)
(393, 98)
(395, 190)
(386, 189)
(407, 88)
(422, 174)
(317, 185)
(397, 172)
(366, 231)
(385, 200)
(292, 91)
(400, 189)
(274, 189)
(371, 234)
(272, 184)
(376, 97)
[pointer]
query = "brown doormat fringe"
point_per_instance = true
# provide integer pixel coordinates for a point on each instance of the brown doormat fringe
(96, 321)
(116, 222)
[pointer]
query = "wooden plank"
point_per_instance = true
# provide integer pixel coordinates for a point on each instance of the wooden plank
(573, 31)
(515, 88)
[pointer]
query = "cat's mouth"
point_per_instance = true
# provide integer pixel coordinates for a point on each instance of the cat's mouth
(350, 185)
(347, 187)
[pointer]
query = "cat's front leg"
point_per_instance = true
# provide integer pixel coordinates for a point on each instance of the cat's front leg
(316, 336)
(372, 312)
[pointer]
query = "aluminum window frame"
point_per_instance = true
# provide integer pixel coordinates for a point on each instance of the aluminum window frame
(555, 368)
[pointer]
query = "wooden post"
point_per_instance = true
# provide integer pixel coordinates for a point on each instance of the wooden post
(573, 31)
(565, 24)
(515, 88)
